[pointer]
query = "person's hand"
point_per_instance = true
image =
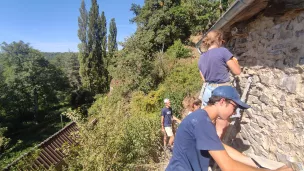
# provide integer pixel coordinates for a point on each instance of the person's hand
(284, 168)
(163, 129)
(174, 118)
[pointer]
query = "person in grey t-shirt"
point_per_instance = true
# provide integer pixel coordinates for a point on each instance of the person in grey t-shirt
(214, 66)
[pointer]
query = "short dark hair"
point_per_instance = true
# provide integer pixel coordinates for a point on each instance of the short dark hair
(214, 99)
(197, 102)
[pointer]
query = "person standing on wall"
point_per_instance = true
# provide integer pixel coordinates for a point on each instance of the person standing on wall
(166, 123)
(214, 66)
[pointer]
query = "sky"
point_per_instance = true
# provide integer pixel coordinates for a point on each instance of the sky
(51, 25)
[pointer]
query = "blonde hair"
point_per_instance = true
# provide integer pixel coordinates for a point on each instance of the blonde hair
(214, 36)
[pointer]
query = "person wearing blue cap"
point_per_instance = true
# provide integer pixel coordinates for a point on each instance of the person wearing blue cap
(196, 140)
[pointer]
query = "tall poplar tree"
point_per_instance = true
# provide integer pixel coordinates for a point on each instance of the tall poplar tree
(103, 35)
(83, 46)
(112, 44)
(94, 70)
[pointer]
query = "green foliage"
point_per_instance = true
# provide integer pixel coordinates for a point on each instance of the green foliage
(112, 44)
(31, 91)
(91, 32)
(127, 135)
(178, 50)
(3, 140)
(148, 69)
(27, 162)
(51, 55)
(31, 84)
(150, 103)
(69, 65)
(119, 139)
(103, 36)
(183, 80)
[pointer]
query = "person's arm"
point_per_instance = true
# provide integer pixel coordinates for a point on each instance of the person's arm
(162, 123)
(202, 76)
(226, 163)
(176, 119)
(234, 66)
(235, 155)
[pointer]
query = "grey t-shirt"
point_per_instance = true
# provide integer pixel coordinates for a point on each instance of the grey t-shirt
(213, 65)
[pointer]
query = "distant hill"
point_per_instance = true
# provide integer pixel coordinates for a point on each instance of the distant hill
(51, 55)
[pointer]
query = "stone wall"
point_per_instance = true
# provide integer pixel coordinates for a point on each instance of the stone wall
(271, 49)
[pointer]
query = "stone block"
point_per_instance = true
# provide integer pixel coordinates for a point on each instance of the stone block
(241, 40)
(265, 143)
(269, 36)
(274, 52)
(279, 63)
(261, 122)
(255, 93)
(300, 33)
(253, 100)
(249, 112)
(300, 17)
(285, 34)
(264, 98)
(255, 127)
(278, 46)
(281, 157)
(269, 117)
(289, 83)
(277, 113)
(273, 147)
(256, 109)
(265, 79)
(289, 26)
(301, 60)
(294, 50)
(273, 126)
(256, 79)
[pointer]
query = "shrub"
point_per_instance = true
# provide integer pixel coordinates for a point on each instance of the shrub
(126, 135)
(178, 50)
(183, 80)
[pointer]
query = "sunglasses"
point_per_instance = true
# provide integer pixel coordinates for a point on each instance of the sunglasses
(234, 106)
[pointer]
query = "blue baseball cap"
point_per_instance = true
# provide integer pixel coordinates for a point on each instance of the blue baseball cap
(229, 92)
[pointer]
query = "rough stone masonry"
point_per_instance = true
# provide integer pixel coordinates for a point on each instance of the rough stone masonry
(271, 49)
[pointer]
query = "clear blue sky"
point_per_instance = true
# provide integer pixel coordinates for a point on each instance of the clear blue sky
(51, 25)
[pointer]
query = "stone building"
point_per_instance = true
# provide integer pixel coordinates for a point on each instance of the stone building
(268, 39)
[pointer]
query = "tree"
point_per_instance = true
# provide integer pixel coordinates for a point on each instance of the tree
(83, 46)
(69, 65)
(31, 83)
(103, 35)
(112, 44)
(93, 71)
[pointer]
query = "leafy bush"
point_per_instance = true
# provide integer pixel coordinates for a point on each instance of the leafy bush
(3, 140)
(125, 136)
(183, 80)
(178, 50)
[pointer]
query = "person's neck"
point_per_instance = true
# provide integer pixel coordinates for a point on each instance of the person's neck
(212, 112)
(167, 106)
(213, 46)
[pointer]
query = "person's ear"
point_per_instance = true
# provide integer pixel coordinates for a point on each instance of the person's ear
(222, 101)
